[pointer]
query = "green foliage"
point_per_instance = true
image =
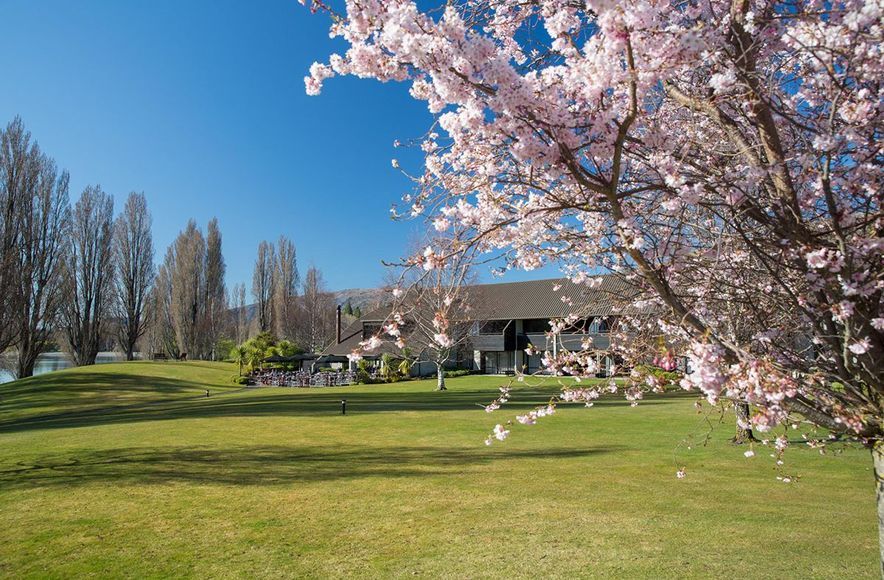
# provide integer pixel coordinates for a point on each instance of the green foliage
(454, 373)
(357, 312)
(240, 356)
(404, 368)
(284, 348)
(240, 380)
(348, 309)
(363, 375)
(251, 353)
(391, 369)
(670, 377)
(223, 348)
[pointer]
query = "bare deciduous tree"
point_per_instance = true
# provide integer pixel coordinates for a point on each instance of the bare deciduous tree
(240, 314)
(16, 161)
(134, 255)
(161, 330)
(317, 315)
(263, 284)
(432, 312)
(216, 293)
(44, 221)
(185, 263)
(34, 213)
(285, 294)
(89, 274)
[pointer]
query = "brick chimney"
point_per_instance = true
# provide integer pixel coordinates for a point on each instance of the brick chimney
(338, 324)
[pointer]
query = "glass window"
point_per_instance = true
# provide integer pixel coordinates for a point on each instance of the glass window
(506, 362)
(535, 325)
(499, 362)
(493, 326)
(491, 363)
(534, 363)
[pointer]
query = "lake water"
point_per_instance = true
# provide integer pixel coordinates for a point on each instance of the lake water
(56, 361)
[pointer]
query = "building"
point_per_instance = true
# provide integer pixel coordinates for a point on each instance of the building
(506, 318)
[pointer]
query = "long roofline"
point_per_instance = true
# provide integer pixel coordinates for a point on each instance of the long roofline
(532, 299)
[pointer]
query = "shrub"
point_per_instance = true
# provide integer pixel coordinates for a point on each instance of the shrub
(454, 373)
(223, 348)
(670, 377)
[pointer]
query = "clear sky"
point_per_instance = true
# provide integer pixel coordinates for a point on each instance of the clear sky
(201, 105)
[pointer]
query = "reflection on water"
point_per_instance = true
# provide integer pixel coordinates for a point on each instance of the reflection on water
(56, 361)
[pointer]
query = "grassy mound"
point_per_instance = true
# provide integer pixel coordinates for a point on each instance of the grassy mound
(104, 386)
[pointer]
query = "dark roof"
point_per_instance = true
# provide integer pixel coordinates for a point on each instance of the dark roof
(517, 300)
(330, 358)
(539, 299)
(350, 338)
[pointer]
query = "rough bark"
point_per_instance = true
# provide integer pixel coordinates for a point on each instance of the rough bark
(743, 434)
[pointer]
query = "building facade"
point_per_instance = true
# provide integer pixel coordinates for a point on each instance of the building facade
(508, 318)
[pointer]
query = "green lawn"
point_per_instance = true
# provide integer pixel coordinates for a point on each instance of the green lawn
(129, 470)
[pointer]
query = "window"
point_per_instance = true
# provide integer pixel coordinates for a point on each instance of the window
(493, 326)
(604, 326)
(534, 363)
(499, 362)
(535, 326)
(541, 325)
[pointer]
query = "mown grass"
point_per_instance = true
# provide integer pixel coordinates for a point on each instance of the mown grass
(128, 470)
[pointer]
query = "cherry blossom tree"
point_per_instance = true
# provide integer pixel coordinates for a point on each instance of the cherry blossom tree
(433, 304)
(724, 157)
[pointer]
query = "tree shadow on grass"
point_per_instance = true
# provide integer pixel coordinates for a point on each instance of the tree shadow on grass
(292, 403)
(259, 465)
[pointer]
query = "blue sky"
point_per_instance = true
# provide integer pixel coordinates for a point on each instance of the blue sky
(201, 105)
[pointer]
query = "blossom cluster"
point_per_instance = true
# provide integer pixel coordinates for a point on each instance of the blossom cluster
(721, 159)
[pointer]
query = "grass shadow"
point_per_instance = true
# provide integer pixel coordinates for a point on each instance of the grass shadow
(290, 403)
(258, 465)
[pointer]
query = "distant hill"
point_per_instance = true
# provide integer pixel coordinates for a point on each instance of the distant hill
(366, 299)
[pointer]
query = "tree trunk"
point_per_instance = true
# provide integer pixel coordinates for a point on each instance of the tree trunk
(26, 366)
(27, 358)
(743, 434)
(878, 458)
(440, 378)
